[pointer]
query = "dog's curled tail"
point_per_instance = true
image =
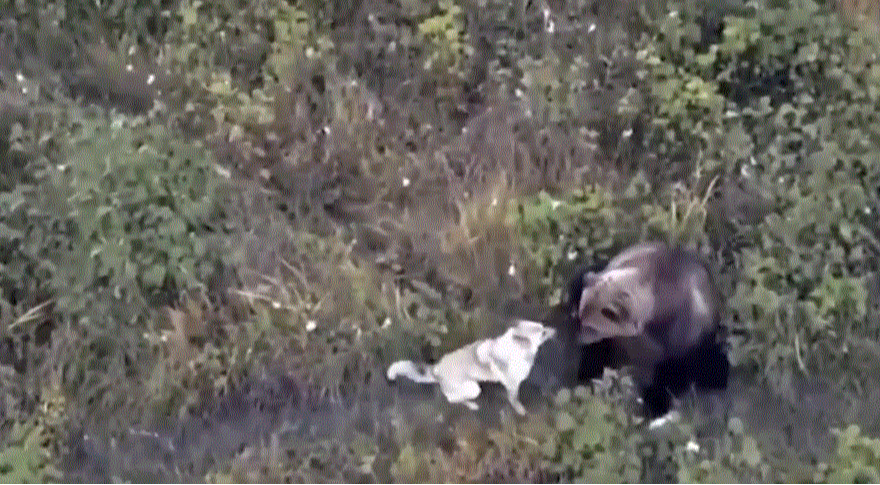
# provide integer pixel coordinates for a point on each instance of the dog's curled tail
(420, 373)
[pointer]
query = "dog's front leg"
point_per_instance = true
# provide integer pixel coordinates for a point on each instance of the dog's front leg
(513, 397)
(502, 374)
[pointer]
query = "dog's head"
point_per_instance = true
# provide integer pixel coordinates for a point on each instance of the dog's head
(531, 334)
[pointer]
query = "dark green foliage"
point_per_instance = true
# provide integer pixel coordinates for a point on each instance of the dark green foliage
(810, 146)
(29, 451)
(588, 227)
(560, 234)
(855, 460)
(144, 208)
(593, 441)
(319, 188)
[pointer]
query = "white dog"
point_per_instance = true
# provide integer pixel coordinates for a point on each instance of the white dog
(507, 359)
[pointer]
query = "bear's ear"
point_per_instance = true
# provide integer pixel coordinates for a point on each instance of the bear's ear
(590, 278)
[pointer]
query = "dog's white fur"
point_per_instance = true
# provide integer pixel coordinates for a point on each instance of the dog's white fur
(507, 359)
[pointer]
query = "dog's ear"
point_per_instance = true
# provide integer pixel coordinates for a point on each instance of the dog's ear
(590, 278)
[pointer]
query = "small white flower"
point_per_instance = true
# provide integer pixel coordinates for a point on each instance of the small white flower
(222, 171)
(151, 79)
(406, 181)
(548, 22)
(311, 325)
(692, 446)
(670, 417)
(511, 270)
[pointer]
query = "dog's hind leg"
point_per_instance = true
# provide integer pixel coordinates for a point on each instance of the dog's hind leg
(464, 393)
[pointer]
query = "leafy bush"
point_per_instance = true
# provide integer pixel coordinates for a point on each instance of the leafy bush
(593, 441)
(445, 33)
(800, 127)
(560, 233)
(402, 150)
(736, 456)
(143, 207)
(588, 226)
(30, 452)
(115, 215)
(856, 459)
